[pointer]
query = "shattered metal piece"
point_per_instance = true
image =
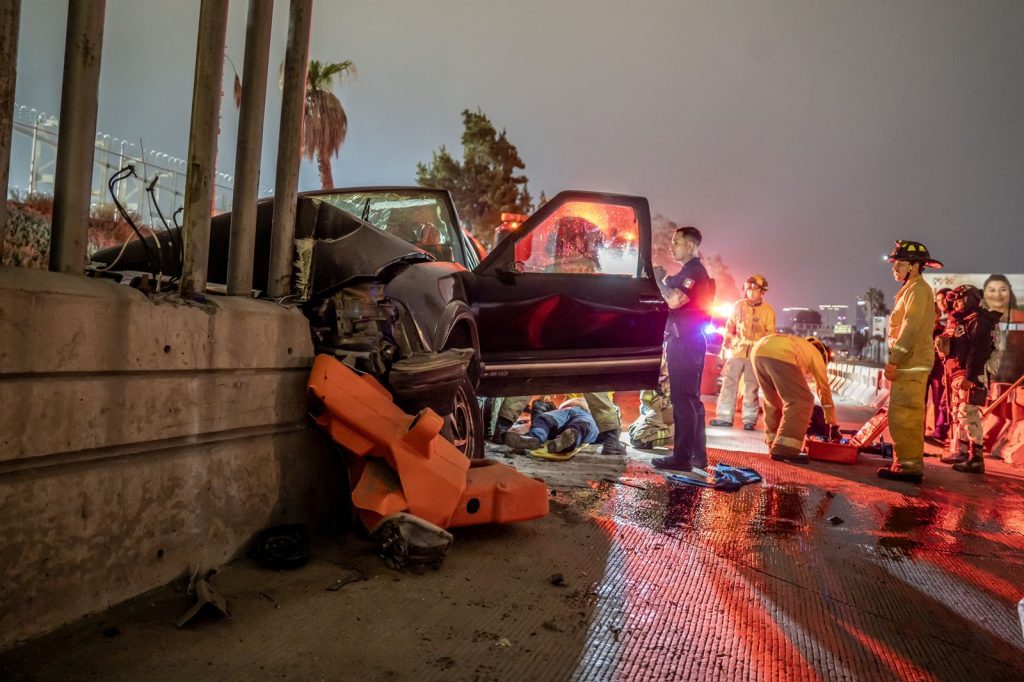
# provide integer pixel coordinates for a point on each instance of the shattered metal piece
(408, 540)
(203, 589)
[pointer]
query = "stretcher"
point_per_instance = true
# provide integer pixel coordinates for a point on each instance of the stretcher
(542, 453)
(846, 450)
(400, 463)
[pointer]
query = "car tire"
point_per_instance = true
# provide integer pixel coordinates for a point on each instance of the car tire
(464, 427)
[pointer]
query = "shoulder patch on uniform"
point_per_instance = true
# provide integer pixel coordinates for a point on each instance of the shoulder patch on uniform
(688, 283)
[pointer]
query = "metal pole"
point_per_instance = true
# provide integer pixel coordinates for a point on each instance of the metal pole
(286, 184)
(32, 157)
(202, 144)
(10, 14)
(76, 143)
(249, 147)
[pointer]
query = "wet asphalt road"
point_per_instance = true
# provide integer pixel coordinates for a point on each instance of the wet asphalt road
(820, 572)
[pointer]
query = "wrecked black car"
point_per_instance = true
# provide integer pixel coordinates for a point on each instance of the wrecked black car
(393, 286)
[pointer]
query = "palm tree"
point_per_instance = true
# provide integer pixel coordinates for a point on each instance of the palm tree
(874, 298)
(324, 122)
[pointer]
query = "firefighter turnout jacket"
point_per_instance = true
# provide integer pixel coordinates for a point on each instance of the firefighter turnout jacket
(910, 328)
(797, 351)
(747, 324)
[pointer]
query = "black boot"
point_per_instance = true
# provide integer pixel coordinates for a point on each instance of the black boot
(976, 464)
(521, 442)
(895, 473)
(957, 458)
(671, 463)
(610, 443)
(501, 427)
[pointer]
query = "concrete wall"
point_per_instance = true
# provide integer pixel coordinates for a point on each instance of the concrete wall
(140, 437)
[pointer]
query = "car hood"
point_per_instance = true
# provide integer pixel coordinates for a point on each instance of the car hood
(333, 248)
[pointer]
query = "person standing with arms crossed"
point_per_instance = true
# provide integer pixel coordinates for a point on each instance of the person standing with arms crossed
(911, 355)
(689, 294)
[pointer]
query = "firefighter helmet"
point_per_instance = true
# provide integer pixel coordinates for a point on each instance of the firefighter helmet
(758, 281)
(826, 352)
(970, 294)
(913, 252)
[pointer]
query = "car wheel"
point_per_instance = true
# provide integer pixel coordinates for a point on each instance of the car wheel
(464, 427)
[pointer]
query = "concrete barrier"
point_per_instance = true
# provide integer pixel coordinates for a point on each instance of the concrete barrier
(141, 437)
(859, 383)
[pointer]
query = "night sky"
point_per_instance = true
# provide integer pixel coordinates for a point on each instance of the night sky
(802, 136)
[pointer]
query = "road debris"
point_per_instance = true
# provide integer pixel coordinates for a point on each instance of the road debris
(351, 576)
(616, 481)
(204, 592)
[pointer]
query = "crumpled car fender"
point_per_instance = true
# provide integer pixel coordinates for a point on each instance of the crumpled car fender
(434, 297)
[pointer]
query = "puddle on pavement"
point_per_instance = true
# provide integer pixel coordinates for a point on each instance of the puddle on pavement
(897, 547)
(909, 518)
(781, 510)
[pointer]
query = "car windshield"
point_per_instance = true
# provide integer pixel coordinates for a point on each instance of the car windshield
(420, 218)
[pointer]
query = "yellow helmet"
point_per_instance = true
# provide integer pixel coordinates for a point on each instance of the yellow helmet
(758, 281)
(826, 352)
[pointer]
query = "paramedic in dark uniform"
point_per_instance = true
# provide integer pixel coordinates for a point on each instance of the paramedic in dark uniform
(689, 294)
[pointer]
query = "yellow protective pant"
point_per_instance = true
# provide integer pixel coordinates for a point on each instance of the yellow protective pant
(736, 368)
(788, 403)
(906, 420)
(605, 414)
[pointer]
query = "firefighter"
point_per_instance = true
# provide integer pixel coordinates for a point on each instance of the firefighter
(966, 345)
(689, 294)
(751, 319)
(911, 355)
(653, 427)
(782, 364)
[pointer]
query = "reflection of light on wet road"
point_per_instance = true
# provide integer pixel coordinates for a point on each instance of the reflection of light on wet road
(758, 584)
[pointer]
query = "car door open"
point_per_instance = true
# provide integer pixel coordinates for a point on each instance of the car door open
(568, 301)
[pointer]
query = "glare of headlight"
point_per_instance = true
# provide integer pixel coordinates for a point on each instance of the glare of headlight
(723, 310)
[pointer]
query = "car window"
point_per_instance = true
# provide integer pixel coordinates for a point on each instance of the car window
(420, 218)
(583, 238)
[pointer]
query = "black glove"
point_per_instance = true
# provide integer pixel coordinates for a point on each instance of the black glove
(833, 433)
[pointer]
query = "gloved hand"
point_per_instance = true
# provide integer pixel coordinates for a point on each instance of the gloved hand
(962, 384)
(833, 433)
(890, 372)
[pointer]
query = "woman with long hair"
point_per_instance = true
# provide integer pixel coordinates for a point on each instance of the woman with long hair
(1007, 362)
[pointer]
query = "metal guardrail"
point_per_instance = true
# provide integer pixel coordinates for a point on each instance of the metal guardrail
(39, 130)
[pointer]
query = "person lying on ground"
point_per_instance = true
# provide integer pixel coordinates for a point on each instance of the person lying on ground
(563, 430)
